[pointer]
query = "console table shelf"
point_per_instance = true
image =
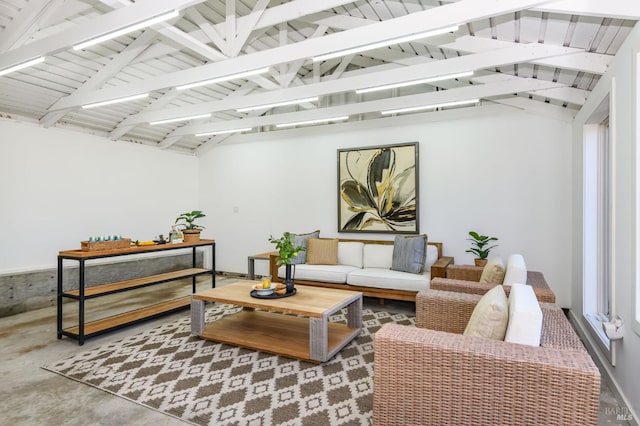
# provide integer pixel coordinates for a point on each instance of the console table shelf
(87, 329)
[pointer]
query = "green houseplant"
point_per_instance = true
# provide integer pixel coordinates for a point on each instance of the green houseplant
(287, 250)
(479, 247)
(190, 229)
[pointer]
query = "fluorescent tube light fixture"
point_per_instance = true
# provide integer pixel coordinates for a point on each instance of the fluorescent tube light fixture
(420, 108)
(224, 78)
(303, 123)
(127, 29)
(384, 43)
(224, 132)
(414, 82)
(115, 101)
(277, 104)
(173, 120)
(25, 64)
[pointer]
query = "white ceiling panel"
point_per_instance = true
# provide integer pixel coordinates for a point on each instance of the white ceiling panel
(215, 38)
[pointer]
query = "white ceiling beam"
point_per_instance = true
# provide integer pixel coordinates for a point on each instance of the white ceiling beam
(539, 108)
(514, 54)
(619, 9)
(244, 29)
(207, 28)
(230, 26)
(438, 17)
(190, 42)
(108, 22)
(24, 23)
(105, 73)
(453, 95)
(577, 60)
(338, 22)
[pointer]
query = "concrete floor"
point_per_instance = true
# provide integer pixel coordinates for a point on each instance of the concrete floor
(31, 396)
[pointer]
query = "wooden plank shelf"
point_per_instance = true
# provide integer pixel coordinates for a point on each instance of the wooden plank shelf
(110, 323)
(109, 288)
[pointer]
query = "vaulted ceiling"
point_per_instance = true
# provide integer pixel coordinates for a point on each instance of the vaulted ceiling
(543, 57)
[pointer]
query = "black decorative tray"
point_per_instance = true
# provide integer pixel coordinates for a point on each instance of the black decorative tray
(254, 293)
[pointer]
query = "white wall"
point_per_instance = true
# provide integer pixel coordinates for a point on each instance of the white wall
(495, 170)
(59, 187)
(626, 374)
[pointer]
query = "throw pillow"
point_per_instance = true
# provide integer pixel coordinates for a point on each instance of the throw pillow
(322, 251)
(516, 270)
(525, 316)
(493, 271)
(301, 240)
(409, 253)
(490, 316)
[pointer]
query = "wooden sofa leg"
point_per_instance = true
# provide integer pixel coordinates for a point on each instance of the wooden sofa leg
(381, 301)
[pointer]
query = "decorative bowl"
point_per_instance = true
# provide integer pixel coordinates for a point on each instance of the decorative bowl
(263, 291)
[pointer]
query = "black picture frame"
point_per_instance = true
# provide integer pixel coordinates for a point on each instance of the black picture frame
(378, 189)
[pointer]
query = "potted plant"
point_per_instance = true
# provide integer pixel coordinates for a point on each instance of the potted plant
(190, 230)
(287, 250)
(479, 247)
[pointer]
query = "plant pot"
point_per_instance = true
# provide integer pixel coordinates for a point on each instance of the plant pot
(191, 235)
(480, 262)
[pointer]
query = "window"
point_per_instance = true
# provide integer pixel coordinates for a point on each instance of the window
(598, 223)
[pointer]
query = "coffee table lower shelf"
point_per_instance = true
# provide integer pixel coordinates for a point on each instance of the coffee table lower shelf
(275, 333)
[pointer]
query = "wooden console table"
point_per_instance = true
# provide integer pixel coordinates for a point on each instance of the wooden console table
(87, 329)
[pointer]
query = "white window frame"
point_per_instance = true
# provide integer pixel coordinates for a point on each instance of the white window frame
(599, 221)
(635, 306)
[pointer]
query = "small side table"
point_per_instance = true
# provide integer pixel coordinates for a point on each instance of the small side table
(251, 275)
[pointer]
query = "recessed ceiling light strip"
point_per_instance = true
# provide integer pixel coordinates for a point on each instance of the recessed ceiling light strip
(127, 29)
(25, 64)
(173, 120)
(303, 123)
(224, 78)
(384, 43)
(278, 104)
(415, 82)
(420, 108)
(224, 132)
(115, 101)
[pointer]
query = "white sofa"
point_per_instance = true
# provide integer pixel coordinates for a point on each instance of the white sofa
(364, 265)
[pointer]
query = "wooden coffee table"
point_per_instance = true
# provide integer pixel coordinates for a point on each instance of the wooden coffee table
(307, 334)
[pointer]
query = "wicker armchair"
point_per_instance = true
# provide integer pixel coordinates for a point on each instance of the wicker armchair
(433, 375)
(465, 278)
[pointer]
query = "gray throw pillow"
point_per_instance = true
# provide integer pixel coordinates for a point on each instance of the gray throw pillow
(409, 253)
(301, 240)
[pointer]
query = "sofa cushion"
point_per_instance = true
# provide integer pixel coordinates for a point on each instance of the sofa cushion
(525, 316)
(321, 273)
(516, 270)
(350, 253)
(493, 271)
(301, 240)
(389, 279)
(377, 256)
(322, 251)
(490, 316)
(409, 253)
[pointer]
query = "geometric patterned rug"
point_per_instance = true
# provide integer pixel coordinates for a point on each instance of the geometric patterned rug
(208, 383)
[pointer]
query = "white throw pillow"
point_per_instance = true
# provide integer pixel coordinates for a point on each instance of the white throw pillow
(493, 271)
(490, 316)
(516, 270)
(378, 256)
(432, 256)
(350, 253)
(525, 316)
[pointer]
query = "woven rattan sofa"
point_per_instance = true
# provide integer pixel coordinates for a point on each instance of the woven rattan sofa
(465, 278)
(433, 375)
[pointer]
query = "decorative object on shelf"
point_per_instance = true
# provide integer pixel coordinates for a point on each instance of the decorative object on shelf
(378, 189)
(191, 231)
(478, 247)
(112, 242)
(287, 250)
(175, 236)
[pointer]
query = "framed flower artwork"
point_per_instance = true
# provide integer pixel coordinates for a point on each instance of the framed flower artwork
(378, 189)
